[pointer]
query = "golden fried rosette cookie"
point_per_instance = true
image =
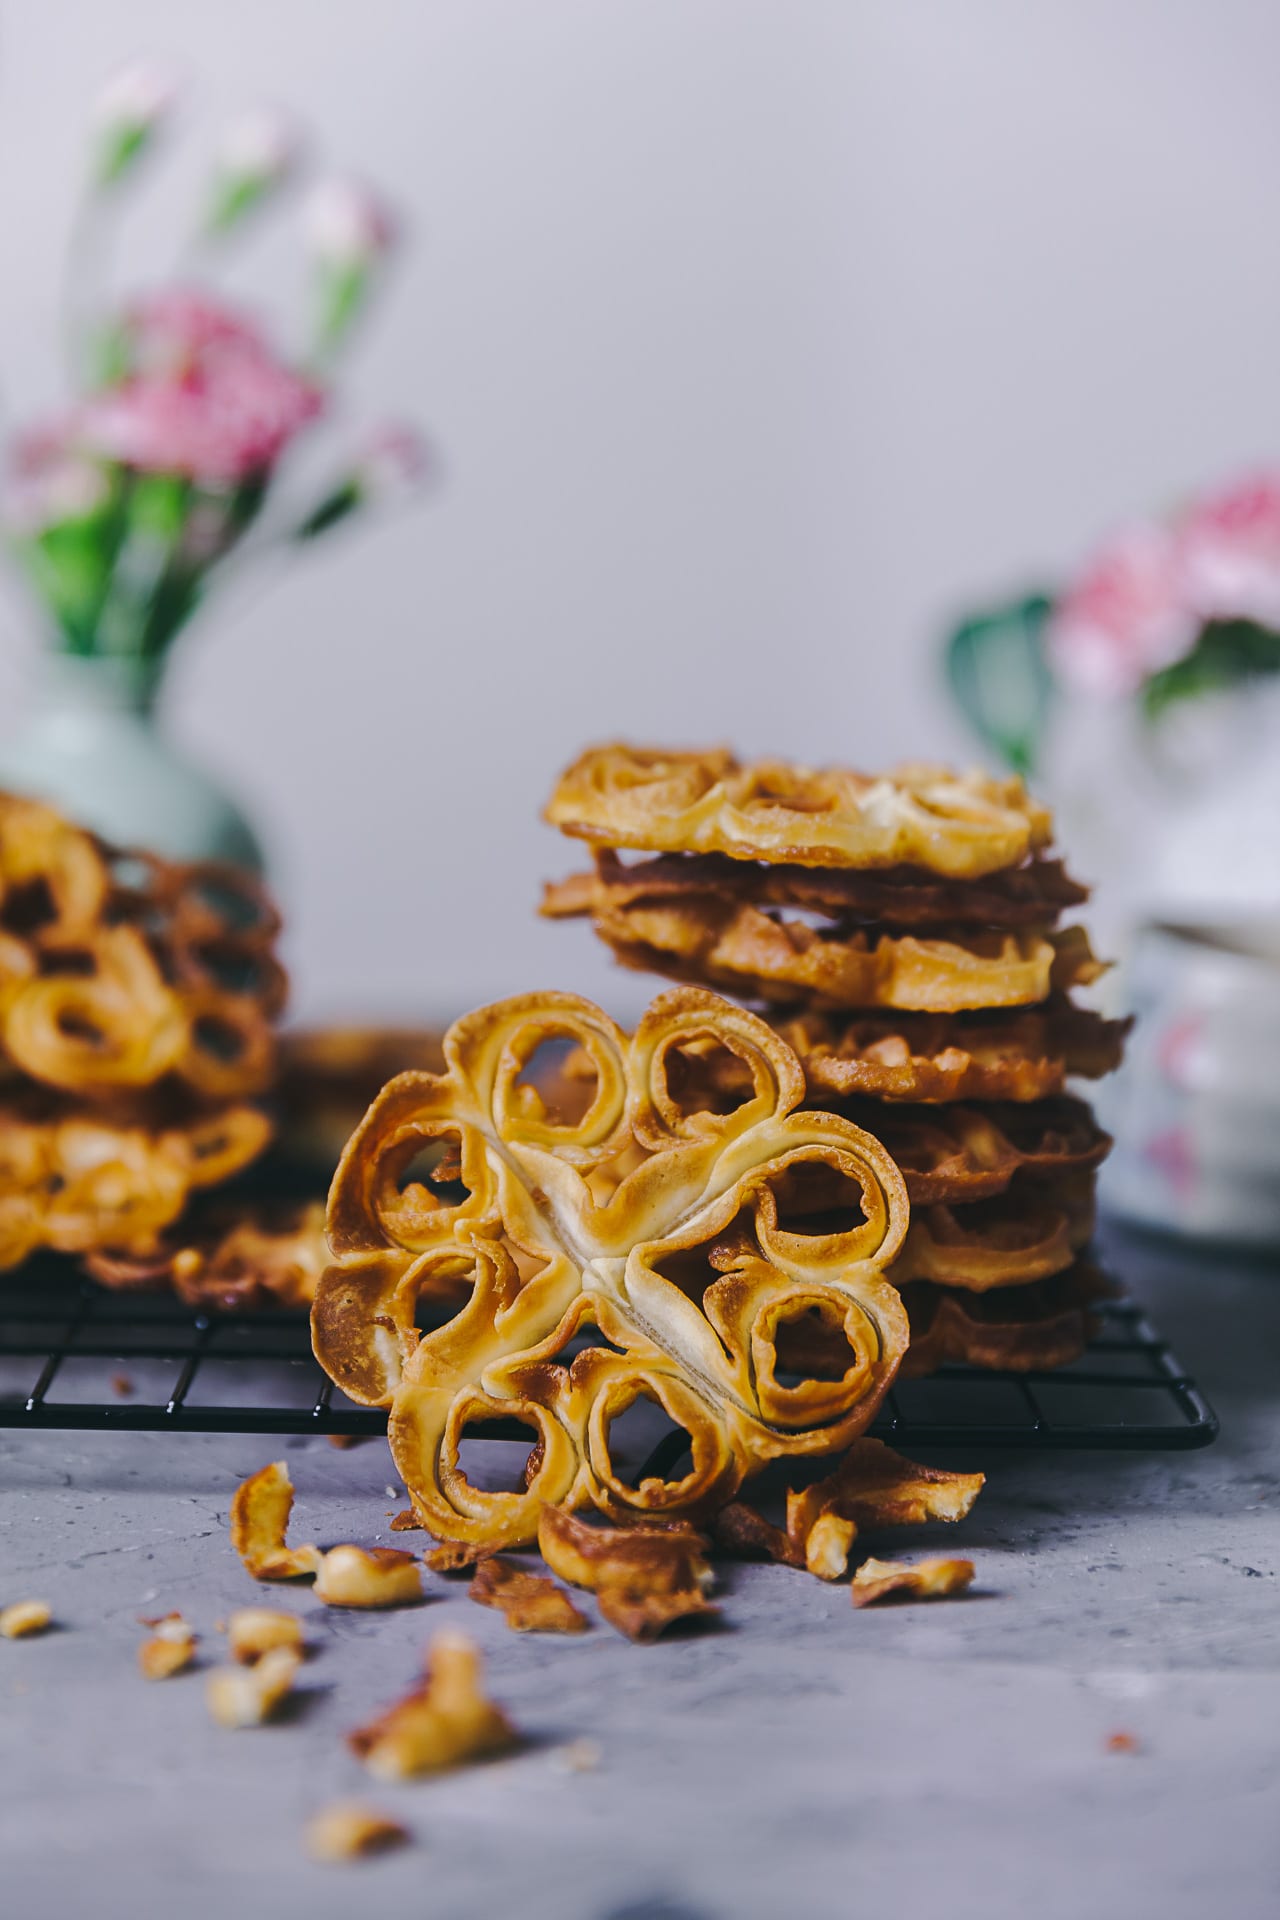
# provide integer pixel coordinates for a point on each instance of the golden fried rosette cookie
(775, 956)
(229, 1256)
(78, 1182)
(120, 972)
(650, 1241)
(660, 801)
(1018, 1055)
(904, 899)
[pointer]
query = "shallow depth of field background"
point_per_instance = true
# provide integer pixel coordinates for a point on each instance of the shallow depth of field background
(755, 339)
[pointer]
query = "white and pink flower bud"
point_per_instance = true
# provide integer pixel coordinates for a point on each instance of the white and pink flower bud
(262, 146)
(392, 461)
(347, 226)
(129, 112)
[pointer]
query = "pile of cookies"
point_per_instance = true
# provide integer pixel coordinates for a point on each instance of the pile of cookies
(137, 1009)
(904, 934)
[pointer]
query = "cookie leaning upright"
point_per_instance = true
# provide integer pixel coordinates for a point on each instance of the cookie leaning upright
(904, 932)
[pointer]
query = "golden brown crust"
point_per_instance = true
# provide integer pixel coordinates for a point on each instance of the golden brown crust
(613, 1221)
(124, 972)
(1021, 1055)
(872, 1488)
(91, 1184)
(1016, 1330)
(901, 899)
(260, 1510)
(764, 956)
(659, 801)
(230, 1257)
(932, 1579)
(443, 1722)
(528, 1602)
(1025, 1234)
(644, 1578)
(956, 1154)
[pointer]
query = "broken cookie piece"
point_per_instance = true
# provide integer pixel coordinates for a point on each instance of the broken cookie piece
(643, 1577)
(529, 1602)
(247, 1696)
(443, 1722)
(170, 1647)
(368, 1577)
(260, 1513)
(933, 1579)
(348, 1831)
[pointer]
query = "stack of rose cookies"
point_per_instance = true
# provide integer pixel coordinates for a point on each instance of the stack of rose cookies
(137, 1001)
(904, 934)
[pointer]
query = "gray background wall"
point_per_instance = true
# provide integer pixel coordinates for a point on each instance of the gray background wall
(756, 336)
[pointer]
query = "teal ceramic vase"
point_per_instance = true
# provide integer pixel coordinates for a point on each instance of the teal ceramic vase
(92, 746)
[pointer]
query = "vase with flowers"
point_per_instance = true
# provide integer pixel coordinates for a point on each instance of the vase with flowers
(161, 479)
(1144, 696)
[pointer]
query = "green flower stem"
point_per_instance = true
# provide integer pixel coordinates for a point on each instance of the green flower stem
(156, 516)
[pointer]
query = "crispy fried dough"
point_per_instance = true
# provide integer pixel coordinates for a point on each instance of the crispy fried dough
(170, 1647)
(1020, 1236)
(248, 1696)
(1013, 1329)
(230, 1257)
(122, 971)
(873, 1487)
(260, 1510)
(933, 1579)
(348, 1831)
(708, 802)
(962, 1153)
(662, 1218)
(766, 956)
(902, 899)
(1019, 1055)
(443, 1722)
(644, 1578)
(368, 1577)
(81, 1182)
(527, 1601)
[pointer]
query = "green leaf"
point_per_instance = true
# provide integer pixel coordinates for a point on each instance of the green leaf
(998, 674)
(329, 512)
(1227, 653)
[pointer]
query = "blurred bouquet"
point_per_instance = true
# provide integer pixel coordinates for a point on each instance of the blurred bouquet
(124, 511)
(161, 479)
(1167, 611)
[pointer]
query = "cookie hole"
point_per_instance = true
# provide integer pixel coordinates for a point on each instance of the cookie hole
(558, 1082)
(640, 1437)
(433, 1172)
(29, 907)
(229, 966)
(69, 963)
(219, 1038)
(490, 1458)
(811, 1344)
(815, 1198)
(705, 1076)
(80, 1028)
(238, 908)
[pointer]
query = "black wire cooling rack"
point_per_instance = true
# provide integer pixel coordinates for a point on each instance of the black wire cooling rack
(72, 1355)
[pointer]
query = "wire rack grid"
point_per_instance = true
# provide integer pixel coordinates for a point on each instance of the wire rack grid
(74, 1356)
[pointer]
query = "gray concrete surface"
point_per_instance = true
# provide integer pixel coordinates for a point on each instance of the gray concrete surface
(948, 1760)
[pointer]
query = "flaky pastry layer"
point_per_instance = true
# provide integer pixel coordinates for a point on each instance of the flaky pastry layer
(660, 801)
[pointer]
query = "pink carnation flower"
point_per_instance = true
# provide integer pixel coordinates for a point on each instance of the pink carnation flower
(206, 397)
(1230, 553)
(1126, 617)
